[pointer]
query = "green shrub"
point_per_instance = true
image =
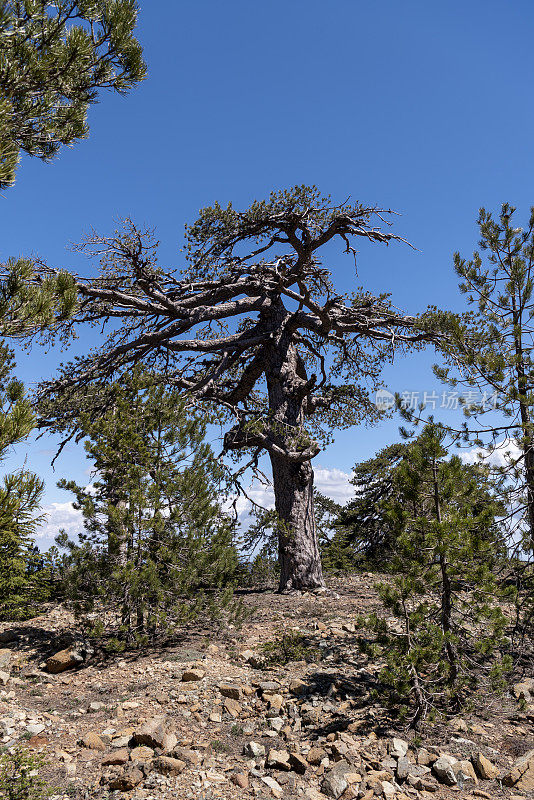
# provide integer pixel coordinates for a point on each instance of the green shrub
(19, 776)
(290, 646)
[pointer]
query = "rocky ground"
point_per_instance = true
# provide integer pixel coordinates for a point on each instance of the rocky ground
(205, 718)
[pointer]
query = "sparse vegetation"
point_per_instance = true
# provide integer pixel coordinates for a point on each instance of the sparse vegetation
(446, 637)
(229, 623)
(290, 646)
(19, 776)
(220, 747)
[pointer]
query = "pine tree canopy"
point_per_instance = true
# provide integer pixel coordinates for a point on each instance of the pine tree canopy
(156, 547)
(362, 528)
(490, 350)
(253, 326)
(446, 543)
(54, 58)
(20, 494)
(366, 530)
(20, 574)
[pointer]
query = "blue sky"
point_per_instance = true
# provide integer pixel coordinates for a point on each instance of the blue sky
(426, 108)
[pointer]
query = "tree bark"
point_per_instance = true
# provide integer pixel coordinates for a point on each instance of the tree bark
(285, 373)
(298, 548)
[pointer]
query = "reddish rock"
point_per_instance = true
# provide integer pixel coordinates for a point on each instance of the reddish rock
(92, 741)
(166, 765)
(65, 659)
(483, 767)
(315, 756)
(118, 758)
(37, 741)
(239, 779)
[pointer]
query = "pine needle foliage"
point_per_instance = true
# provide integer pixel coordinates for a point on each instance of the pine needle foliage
(23, 574)
(363, 533)
(443, 636)
(21, 578)
(19, 776)
(489, 349)
(156, 549)
(54, 59)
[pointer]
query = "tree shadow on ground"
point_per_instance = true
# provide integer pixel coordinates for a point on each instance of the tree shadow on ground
(36, 642)
(338, 687)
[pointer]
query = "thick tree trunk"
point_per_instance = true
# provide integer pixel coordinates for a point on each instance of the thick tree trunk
(287, 386)
(298, 548)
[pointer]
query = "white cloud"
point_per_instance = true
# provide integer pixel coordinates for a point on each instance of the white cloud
(499, 457)
(258, 493)
(59, 516)
(334, 483)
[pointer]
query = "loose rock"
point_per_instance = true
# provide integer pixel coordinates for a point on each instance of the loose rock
(521, 776)
(5, 660)
(278, 759)
(483, 767)
(275, 787)
(398, 748)
(193, 675)
(141, 753)
(298, 763)
(443, 771)
(232, 707)
(464, 772)
(65, 659)
(156, 734)
(254, 750)
(315, 756)
(92, 741)
(119, 758)
(166, 765)
(230, 690)
(124, 780)
(240, 779)
(335, 781)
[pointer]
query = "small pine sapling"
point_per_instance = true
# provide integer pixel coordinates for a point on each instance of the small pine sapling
(157, 549)
(443, 636)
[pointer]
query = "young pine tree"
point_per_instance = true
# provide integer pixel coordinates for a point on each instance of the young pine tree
(23, 574)
(447, 625)
(363, 532)
(493, 345)
(157, 548)
(20, 494)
